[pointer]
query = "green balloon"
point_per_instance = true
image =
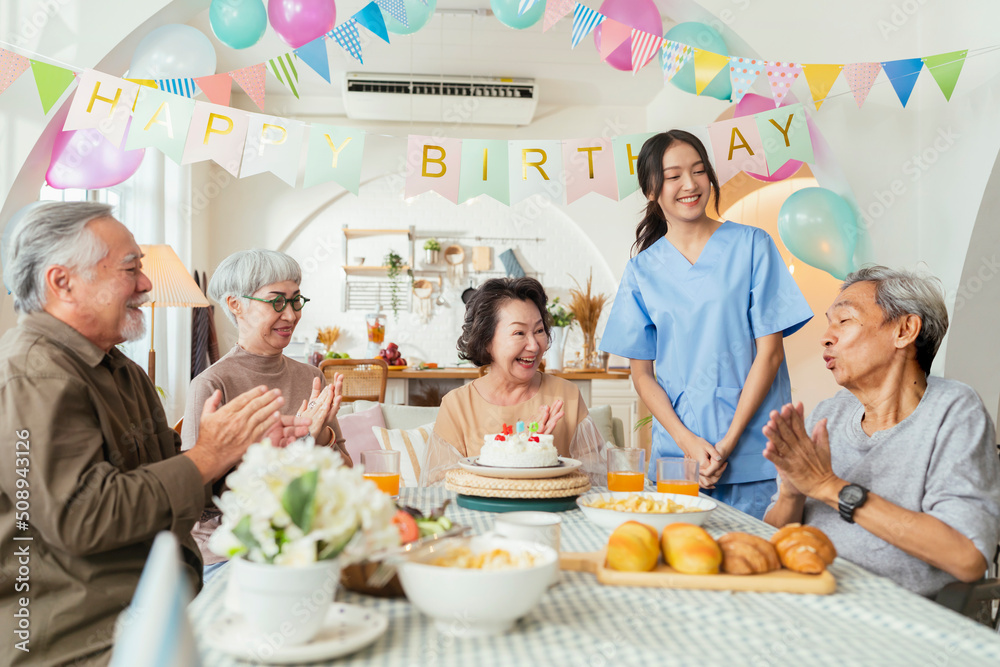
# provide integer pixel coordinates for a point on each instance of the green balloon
(506, 13)
(820, 228)
(418, 13)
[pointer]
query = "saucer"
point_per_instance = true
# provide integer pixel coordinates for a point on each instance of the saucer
(564, 467)
(346, 629)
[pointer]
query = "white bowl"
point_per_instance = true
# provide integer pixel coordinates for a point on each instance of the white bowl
(611, 519)
(473, 603)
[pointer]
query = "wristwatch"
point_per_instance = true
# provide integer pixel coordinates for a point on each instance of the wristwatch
(851, 497)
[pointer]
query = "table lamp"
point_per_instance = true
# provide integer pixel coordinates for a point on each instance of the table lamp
(172, 286)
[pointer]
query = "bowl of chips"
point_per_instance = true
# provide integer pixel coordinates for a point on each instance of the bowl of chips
(612, 509)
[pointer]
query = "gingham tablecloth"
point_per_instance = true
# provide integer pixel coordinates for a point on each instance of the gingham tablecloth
(869, 620)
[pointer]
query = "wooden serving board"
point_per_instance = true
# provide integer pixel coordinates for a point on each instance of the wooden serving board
(664, 576)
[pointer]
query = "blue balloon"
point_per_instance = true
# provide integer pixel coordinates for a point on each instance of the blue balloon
(418, 13)
(173, 51)
(820, 228)
(701, 36)
(506, 13)
(238, 23)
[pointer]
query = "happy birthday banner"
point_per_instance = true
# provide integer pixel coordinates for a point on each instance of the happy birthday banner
(246, 144)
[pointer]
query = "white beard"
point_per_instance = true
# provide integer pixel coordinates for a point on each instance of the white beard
(135, 325)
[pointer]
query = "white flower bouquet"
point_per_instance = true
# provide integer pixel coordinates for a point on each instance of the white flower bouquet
(300, 504)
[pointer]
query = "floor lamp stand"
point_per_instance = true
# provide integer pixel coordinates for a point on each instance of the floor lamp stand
(151, 365)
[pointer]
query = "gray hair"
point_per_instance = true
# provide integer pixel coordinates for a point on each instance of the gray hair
(899, 293)
(53, 233)
(243, 273)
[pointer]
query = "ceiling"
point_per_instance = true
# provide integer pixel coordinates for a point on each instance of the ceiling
(461, 39)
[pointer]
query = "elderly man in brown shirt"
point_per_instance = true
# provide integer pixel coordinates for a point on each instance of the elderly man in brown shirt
(90, 470)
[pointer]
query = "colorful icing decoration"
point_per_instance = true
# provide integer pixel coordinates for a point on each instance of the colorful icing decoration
(520, 427)
(500, 438)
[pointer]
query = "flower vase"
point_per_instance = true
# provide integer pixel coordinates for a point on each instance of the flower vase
(554, 355)
(589, 346)
(431, 256)
(289, 600)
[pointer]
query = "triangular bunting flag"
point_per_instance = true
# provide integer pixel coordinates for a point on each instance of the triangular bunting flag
(585, 19)
(283, 68)
(371, 18)
(821, 79)
(613, 34)
(12, 65)
(346, 35)
(314, 54)
(251, 80)
(860, 77)
(706, 66)
(903, 75)
(742, 73)
(394, 8)
(51, 81)
(945, 68)
(644, 47)
(674, 56)
(183, 87)
(218, 88)
(555, 10)
(523, 6)
(781, 76)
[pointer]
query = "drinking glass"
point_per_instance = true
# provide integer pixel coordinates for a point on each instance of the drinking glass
(626, 469)
(676, 475)
(382, 467)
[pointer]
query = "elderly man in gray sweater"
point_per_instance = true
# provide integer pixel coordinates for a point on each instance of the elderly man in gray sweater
(899, 469)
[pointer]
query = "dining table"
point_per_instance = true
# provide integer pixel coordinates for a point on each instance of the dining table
(869, 620)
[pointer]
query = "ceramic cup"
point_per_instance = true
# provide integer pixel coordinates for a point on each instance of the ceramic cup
(540, 527)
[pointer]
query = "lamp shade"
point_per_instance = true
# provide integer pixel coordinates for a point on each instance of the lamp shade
(172, 283)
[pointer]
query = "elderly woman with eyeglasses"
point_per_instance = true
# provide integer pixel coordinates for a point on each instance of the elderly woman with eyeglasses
(259, 290)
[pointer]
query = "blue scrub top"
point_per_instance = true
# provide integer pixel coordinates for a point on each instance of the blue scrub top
(699, 322)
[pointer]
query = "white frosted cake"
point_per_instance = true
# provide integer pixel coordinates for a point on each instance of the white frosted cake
(518, 450)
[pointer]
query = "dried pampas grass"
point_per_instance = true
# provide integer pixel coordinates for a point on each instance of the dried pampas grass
(586, 308)
(328, 336)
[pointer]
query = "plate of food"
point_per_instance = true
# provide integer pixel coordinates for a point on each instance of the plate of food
(611, 509)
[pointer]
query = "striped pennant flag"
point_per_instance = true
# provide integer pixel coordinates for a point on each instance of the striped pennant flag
(12, 65)
(644, 47)
(184, 87)
(283, 68)
(522, 6)
(394, 8)
(555, 10)
(674, 56)
(251, 80)
(585, 19)
(346, 35)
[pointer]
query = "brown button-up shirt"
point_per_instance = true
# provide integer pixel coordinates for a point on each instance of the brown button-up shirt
(89, 474)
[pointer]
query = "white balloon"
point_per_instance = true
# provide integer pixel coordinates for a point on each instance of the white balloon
(173, 51)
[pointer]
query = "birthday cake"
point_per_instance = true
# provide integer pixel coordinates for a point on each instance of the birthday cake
(524, 449)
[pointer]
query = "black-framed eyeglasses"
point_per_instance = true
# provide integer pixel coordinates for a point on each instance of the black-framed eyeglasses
(279, 302)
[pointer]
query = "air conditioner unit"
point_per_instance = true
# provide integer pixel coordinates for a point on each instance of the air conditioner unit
(439, 99)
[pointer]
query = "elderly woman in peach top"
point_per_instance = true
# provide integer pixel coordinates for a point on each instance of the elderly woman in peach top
(507, 329)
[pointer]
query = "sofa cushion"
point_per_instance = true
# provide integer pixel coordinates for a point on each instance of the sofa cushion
(400, 416)
(357, 430)
(601, 414)
(412, 447)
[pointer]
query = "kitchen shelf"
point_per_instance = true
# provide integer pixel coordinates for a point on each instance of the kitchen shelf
(364, 295)
(361, 233)
(366, 270)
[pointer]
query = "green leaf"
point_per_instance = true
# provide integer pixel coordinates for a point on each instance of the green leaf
(333, 549)
(299, 500)
(648, 419)
(243, 534)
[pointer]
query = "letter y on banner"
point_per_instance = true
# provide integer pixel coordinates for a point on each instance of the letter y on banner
(102, 101)
(433, 164)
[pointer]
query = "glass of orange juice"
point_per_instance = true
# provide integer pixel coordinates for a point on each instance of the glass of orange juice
(626, 469)
(676, 475)
(382, 467)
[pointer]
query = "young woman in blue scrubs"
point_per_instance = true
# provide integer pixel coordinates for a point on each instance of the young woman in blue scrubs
(701, 312)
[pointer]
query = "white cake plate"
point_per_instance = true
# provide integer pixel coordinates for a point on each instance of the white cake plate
(565, 467)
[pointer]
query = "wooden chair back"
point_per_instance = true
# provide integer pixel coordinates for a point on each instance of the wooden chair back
(364, 379)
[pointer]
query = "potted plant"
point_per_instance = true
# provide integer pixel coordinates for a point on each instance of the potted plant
(394, 266)
(432, 251)
(561, 319)
(292, 517)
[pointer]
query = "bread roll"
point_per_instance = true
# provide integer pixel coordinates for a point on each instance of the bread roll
(689, 549)
(743, 553)
(803, 548)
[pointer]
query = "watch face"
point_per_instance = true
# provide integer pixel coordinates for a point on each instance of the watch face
(851, 494)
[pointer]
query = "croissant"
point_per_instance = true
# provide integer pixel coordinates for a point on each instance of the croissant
(803, 548)
(743, 553)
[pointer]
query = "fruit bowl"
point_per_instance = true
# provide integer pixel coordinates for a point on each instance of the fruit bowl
(484, 602)
(611, 519)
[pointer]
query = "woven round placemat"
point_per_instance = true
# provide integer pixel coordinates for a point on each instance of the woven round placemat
(470, 484)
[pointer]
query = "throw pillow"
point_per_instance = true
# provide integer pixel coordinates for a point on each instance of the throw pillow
(357, 430)
(601, 414)
(412, 446)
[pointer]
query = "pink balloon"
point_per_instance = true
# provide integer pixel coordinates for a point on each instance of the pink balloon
(641, 14)
(748, 106)
(85, 159)
(299, 22)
